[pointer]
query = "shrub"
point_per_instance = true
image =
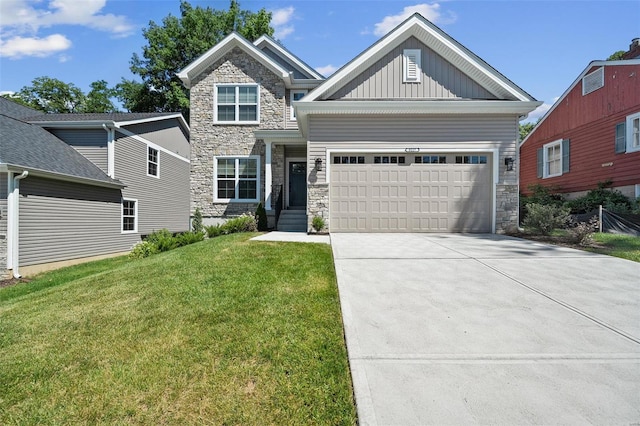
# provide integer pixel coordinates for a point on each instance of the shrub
(214, 230)
(196, 222)
(545, 218)
(189, 237)
(582, 232)
(318, 223)
(243, 223)
(143, 249)
(610, 199)
(163, 240)
(261, 218)
(541, 194)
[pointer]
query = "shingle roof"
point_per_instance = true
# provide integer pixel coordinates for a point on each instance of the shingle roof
(112, 116)
(30, 146)
(15, 110)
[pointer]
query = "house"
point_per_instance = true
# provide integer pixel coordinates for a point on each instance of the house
(77, 186)
(591, 134)
(415, 134)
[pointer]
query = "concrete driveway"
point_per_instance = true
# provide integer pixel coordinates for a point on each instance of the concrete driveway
(486, 329)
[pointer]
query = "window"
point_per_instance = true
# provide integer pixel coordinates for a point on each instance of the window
(593, 81)
(152, 162)
(388, 160)
(471, 159)
(633, 132)
(129, 216)
(237, 104)
(553, 159)
(236, 178)
(431, 159)
(412, 66)
(296, 95)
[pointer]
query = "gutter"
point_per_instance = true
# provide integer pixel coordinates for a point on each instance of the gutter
(14, 228)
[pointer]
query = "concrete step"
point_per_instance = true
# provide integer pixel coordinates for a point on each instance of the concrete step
(292, 221)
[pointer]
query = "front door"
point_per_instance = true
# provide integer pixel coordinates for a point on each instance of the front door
(297, 184)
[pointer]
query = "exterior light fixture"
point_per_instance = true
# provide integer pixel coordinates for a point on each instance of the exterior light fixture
(509, 163)
(319, 164)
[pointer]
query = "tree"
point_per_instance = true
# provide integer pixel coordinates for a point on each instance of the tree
(525, 129)
(51, 95)
(616, 56)
(177, 42)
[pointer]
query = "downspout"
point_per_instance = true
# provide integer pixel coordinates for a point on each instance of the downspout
(111, 152)
(15, 222)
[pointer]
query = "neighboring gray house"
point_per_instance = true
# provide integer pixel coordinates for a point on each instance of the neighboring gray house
(77, 186)
(416, 134)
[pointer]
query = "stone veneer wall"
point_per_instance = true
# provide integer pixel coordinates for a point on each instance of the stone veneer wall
(318, 203)
(507, 204)
(277, 172)
(209, 139)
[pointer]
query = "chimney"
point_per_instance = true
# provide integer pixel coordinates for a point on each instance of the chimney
(634, 50)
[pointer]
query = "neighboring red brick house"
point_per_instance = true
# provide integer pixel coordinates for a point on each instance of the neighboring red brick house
(590, 135)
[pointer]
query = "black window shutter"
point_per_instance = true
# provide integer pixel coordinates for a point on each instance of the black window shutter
(565, 155)
(621, 143)
(540, 162)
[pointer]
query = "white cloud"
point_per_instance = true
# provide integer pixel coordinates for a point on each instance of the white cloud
(18, 47)
(537, 113)
(430, 11)
(281, 21)
(27, 17)
(327, 70)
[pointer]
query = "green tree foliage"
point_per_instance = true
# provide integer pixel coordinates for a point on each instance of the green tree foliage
(525, 129)
(616, 56)
(175, 43)
(51, 95)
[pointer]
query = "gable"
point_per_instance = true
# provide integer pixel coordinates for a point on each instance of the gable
(384, 79)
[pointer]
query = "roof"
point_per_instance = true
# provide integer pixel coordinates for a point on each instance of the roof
(575, 82)
(97, 119)
(16, 110)
(441, 43)
(30, 147)
(267, 42)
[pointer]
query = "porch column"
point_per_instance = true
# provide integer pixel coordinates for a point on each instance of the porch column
(268, 180)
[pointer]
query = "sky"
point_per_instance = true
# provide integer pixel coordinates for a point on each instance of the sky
(542, 46)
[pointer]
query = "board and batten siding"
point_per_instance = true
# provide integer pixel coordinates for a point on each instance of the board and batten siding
(162, 202)
(409, 131)
(92, 143)
(3, 221)
(63, 220)
(384, 79)
(165, 133)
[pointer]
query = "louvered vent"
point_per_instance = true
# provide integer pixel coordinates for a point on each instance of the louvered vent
(412, 66)
(593, 81)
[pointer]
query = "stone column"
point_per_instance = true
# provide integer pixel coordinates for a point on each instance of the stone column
(268, 180)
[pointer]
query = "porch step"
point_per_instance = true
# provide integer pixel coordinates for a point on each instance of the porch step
(292, 221)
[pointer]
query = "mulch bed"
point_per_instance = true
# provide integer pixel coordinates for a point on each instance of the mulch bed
(559, 241)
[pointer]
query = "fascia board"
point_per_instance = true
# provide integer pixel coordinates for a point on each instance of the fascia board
(64, 177)
(219, 50)
(288, 55)
(179, 116)
(574, 84)
(442, 44)
(89, 124)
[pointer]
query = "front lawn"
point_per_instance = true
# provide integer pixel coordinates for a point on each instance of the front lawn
(226, 331)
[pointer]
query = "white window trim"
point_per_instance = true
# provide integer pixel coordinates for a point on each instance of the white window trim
(545, 159)
(406, 78)
(292, 111)
(215, 179)
(135, 221)
(157, 163)
(236, 122)
(629, 129)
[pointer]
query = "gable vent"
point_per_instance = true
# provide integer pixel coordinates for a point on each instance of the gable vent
(593, 81)
(412, 65)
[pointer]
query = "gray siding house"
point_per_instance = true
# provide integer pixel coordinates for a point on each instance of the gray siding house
(416, 134)
(77, 186)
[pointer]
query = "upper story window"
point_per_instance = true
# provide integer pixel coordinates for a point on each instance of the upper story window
(628, 134)
(553, 159)
(153, 162)
(412, 66)
(237, 103)
(593, 81)
(296, 95)
(236, 179)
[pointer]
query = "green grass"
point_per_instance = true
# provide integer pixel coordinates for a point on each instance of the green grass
(624, 246)
(226, 331)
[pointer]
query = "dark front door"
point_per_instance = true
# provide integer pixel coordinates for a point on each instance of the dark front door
(297, 184)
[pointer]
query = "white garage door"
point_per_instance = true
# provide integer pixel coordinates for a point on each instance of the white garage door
(410, 193)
